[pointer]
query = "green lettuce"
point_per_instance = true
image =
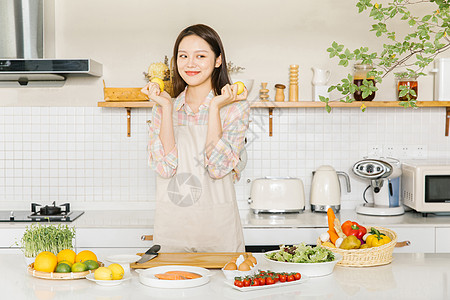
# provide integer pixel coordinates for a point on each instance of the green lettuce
(301, 253)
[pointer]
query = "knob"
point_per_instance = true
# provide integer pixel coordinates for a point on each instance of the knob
(11, 216)
(369, 169)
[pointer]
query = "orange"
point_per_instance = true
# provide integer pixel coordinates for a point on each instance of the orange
(66, 254)
(85, 255)
(45, 262)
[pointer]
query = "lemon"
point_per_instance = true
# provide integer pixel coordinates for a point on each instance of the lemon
(45, 262)
(79, 267)
(85, 255)
(158, 81)
(91, 264)
(63, 268)
(117, 271)
(103, 273)
(240, 86)
(67, 255)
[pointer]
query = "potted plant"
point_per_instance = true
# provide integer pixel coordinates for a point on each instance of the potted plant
(408, 54)
(38, 238)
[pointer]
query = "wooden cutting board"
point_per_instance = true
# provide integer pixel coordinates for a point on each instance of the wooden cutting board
(211, 260)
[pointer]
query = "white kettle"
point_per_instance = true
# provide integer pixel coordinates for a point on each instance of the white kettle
(326, 189)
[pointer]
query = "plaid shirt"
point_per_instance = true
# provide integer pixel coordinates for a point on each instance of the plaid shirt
(225, 154)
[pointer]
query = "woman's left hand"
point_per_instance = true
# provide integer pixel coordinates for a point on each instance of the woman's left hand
(229, 95)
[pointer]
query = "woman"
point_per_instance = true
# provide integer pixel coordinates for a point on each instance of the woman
(194, 147)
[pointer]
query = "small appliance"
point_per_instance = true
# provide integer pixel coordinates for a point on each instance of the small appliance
(277, 195)
(384, 175)
(426, 186)
(47, 213)
(326, 189)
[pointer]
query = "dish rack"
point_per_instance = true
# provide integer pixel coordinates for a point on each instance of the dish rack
(375, 256)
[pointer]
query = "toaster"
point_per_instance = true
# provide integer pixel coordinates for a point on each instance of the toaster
(277, 195)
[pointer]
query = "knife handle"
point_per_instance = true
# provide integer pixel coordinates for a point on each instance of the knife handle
(147, 237)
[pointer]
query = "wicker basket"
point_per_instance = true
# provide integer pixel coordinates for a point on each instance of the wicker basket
(59, 276)
(368, 257)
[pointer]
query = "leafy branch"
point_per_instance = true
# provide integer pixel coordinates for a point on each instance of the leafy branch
(409, 55)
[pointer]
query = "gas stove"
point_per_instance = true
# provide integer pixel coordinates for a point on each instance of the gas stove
(47, 213)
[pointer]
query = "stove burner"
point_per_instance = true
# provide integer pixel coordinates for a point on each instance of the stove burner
(53, 212)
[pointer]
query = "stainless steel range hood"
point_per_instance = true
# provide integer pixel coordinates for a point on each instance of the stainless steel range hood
(23, 59)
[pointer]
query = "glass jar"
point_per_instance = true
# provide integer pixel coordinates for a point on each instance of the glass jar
(359, 74)
(410, 82)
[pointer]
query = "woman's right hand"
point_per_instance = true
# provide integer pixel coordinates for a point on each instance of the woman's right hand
(153, 91)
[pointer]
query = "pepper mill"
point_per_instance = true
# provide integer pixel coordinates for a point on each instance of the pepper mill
(293, 83)
(264, 92)
(279, 92)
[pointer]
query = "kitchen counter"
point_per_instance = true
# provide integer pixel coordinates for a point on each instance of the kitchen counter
(307, 219)
(409, 276)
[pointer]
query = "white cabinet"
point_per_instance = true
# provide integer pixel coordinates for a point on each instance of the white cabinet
(422, 239)
(8, 239)
(442, 240)
(279, 236)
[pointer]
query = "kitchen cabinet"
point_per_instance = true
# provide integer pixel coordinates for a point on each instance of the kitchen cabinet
(279, 236)
(442, 240)
(8, 238)
(422, 239)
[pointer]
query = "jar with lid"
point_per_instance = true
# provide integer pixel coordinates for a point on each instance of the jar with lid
(359, 74)
(410, 82)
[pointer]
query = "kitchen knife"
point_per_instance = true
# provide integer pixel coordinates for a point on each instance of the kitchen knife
(150, 254)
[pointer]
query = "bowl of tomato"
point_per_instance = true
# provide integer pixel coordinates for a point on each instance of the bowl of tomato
(303, 259)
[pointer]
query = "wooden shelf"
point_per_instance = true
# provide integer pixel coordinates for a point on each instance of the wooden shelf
(271, 105)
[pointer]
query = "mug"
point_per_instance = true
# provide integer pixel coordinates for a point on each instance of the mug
(320, 76)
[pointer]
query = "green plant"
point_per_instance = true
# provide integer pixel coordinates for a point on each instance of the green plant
(38, 238)
(410, 54)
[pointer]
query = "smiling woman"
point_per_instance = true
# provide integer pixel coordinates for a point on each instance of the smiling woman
(194, 148)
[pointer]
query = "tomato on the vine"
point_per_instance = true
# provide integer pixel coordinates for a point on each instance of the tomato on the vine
(247, 281)
(238, 283)
(262, 280)
(290, 277)
(255, 282)
(282, 277)
(297, 276)
(269, 280)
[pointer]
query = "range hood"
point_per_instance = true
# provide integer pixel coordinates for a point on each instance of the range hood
(23, 61)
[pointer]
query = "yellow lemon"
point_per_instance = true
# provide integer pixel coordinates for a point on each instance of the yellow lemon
(103, 273)
(117, 271)
(45, 262)
(65, 262)
(79, 267)
(158, 81)
(67, 255)
(85, 255)
(240, 86)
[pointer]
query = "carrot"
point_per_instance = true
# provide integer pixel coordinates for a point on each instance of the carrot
(333, 236)
(331, 217)
(166, 276)
(187, 275)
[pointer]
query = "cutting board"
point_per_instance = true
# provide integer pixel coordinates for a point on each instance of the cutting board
(211, 260)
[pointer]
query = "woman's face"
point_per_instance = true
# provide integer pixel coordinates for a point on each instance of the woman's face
(196, 61)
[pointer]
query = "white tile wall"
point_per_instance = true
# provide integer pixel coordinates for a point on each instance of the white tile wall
(82, 154)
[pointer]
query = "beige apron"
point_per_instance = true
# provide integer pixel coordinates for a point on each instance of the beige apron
(194, 212)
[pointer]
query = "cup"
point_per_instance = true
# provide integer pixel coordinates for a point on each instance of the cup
(320, 76)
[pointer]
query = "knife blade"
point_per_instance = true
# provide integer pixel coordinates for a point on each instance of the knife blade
(149, 254)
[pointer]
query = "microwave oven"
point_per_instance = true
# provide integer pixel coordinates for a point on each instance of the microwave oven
(426, 186)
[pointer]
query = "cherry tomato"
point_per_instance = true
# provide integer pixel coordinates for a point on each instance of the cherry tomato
(290, 277)
(238, 283)
(297, 276)
(282, 277)
(261, 281)
(247, 281)
(275, 278)
(255, 282)
(269, 280)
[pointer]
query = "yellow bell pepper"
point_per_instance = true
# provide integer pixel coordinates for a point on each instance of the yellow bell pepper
(377, 238)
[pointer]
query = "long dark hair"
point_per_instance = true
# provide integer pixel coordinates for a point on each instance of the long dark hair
(219, 76)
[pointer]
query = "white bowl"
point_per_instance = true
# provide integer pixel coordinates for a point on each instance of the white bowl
(108, 282)
(309, 269)
(124, 260)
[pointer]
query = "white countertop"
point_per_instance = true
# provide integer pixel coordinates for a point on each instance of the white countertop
(307, 219)
(409, 276)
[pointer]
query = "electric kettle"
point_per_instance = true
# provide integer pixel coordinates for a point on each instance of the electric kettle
(326, 189)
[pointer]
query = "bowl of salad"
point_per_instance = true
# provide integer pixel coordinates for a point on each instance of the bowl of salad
(308, 260)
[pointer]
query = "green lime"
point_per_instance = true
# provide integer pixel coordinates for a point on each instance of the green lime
(91, 264)
(66, 262)
(79, 267)
(63, 268)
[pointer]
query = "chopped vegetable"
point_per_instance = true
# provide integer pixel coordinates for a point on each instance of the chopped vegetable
(301, 254)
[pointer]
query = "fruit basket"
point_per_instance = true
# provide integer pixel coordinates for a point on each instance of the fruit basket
(375, 256)
(59, 276)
